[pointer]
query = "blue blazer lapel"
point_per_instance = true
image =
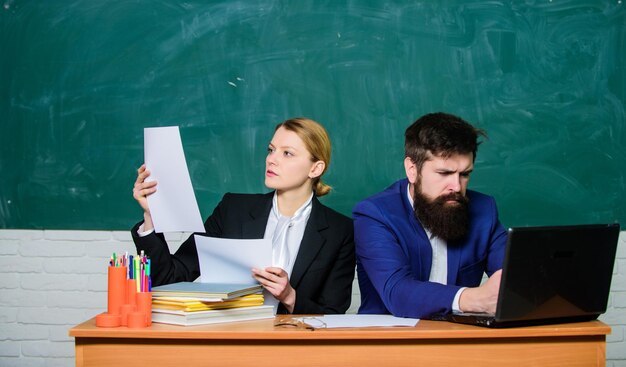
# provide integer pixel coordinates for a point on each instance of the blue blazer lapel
(312, 242)
(454, 259)
(422, 246)
(424, 249)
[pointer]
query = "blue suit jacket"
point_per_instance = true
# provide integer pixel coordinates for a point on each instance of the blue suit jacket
(394, 255)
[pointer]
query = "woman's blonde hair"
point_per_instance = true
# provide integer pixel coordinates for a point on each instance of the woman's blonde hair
(317, 142)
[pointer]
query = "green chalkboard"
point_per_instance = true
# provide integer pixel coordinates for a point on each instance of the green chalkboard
(79, 80)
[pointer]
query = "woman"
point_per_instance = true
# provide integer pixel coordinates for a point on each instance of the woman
(313, 246)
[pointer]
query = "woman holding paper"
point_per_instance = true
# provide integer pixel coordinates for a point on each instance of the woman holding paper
(313, 246)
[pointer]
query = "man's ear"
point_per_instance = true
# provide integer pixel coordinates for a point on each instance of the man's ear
(411, 170)
(317, 169)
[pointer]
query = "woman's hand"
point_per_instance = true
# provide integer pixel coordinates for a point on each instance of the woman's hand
(141, 190)
(276, 281)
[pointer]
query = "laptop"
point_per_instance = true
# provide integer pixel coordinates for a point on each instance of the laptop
(552, 275)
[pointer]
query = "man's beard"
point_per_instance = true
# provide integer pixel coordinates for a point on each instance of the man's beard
(447, 221)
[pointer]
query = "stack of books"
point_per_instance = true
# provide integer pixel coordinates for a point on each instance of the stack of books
(192, 303)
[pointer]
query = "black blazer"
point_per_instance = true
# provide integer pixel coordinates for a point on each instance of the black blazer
(323, 271)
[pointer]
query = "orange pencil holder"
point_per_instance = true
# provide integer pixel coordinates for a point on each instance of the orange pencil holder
(131, 291)
(144, 305)
(126, 306)
(116, 288)
(126, 310)
(143, 316)
(116, 297)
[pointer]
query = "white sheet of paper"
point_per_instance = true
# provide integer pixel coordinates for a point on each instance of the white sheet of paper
(173, 206)
(225, 260)
(336, 321)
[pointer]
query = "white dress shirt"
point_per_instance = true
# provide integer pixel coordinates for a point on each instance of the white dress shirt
(294, 232)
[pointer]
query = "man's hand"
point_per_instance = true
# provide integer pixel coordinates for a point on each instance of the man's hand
(483, 298)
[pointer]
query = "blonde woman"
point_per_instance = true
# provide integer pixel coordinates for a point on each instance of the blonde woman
(313, 246)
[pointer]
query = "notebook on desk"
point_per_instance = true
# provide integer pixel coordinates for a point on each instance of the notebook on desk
(552, 275)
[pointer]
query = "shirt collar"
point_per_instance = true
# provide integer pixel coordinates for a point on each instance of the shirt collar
(301, 210)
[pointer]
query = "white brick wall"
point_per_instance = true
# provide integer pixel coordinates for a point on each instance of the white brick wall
(53, 280)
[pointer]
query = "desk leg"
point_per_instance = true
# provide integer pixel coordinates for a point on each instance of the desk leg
(79, 351)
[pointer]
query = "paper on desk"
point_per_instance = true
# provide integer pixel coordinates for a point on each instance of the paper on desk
(225, 260)
(336, 321)
(173, 206)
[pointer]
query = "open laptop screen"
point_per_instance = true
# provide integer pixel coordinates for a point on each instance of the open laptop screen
(552, 275)
(557, 272)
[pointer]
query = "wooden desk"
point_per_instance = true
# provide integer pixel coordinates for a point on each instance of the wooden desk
(259, 343)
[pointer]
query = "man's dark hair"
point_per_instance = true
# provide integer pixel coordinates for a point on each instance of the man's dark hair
(442, 135)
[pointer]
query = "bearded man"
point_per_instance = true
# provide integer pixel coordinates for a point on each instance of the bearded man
(425, 242)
